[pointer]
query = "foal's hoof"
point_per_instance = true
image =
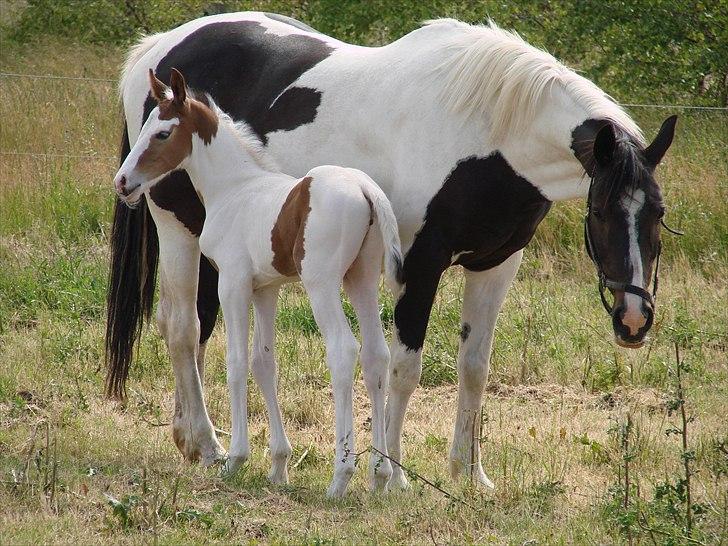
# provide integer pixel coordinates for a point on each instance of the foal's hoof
(398, 481)
(231, 466)
(278, 476)
(341, 480)
(336, 490)
(380, 474)
(481, 481)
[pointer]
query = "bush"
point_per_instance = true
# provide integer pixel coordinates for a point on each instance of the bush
(661, 51)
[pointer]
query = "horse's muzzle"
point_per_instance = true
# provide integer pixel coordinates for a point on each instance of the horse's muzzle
(630, 331)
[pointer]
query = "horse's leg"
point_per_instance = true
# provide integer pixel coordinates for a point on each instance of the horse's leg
(179, 255)
(361, 284)
(341, 352)
(265, 373)
(423, 269)
(235, 292)
(207, 307)
(482, 300)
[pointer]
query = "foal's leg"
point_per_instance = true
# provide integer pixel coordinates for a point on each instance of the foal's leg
(341, 352)
(483, 297)
(179, 258)
(265, 374)
(235, 293)
(361, 284)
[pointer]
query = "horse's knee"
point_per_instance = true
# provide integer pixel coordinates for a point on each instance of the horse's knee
(473, 370)
(182, 332)
(163, 318)
(237, 372)
(342, 354)
(374, 362)
(405, 369)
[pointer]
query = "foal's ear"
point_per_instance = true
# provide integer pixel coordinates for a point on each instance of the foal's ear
(604, 145)
(655, 151)
(179, 87)
(159, 90)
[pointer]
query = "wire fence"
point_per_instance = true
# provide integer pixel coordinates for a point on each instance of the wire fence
(92, 80)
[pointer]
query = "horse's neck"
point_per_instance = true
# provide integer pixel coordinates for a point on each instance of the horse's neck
(541, 153)
(544, 154)
(222, 166)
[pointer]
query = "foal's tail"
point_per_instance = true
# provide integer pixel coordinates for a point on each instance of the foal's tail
(387, 222)
(132, 278)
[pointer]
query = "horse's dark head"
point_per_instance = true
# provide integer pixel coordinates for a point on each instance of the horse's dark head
(622, 224)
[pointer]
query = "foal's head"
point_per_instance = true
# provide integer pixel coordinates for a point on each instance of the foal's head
(622, 224)
(166, 139)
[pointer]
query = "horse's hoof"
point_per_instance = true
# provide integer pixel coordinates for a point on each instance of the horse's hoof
(216, 457)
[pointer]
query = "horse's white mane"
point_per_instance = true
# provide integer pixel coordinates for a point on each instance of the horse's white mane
(495, 71)
(137, 51)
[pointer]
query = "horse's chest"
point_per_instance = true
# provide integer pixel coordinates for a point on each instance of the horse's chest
(483, 213)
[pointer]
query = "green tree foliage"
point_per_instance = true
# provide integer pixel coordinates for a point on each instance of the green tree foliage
(639, 50)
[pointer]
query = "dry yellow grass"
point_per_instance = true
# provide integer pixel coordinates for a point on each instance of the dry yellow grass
(559, 388)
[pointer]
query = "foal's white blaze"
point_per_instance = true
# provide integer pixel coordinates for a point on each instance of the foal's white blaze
(633, 317)
(128, 170)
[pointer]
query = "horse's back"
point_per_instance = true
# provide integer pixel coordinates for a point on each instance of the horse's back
(246, 61)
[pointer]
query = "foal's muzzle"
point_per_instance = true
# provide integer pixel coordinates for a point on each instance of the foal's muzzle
(120, 185)
(128, 191)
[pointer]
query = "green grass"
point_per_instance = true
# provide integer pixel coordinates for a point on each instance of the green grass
(75, 467)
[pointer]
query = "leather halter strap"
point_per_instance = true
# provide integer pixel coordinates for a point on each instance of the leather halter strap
(604, 281)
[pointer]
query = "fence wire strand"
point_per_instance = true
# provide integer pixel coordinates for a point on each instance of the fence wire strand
(112, 80)
(56, 77)
(65, 156)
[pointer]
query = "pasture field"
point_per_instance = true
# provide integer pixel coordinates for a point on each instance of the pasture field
(565, 414)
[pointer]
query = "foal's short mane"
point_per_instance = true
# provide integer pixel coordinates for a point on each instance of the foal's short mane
(242, 131)
(495, 71)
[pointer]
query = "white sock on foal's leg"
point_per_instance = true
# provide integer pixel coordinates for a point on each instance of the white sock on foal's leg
(341, 353)
(235, 301)
(362, 286)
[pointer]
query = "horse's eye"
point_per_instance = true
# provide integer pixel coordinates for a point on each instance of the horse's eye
(597, 213)
(162, 135)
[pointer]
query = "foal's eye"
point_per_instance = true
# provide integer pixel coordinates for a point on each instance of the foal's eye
(162, 135)
(597, 213)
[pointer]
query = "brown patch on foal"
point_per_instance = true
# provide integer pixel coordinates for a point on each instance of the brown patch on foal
(287, 235)
(195, 117)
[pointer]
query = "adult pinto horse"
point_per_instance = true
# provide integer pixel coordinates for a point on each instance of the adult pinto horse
(471, 132)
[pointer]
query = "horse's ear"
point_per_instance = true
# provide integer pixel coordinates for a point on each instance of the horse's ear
(655, 151)
(179, 87)
(159, 90)
(604, 145)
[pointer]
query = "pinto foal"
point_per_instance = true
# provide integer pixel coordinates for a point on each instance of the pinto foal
(262, 229)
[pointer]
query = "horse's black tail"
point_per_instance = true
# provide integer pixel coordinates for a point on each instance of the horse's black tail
(132, 279)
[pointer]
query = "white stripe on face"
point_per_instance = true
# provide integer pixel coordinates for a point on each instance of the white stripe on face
(152, 126)
(633, 317)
